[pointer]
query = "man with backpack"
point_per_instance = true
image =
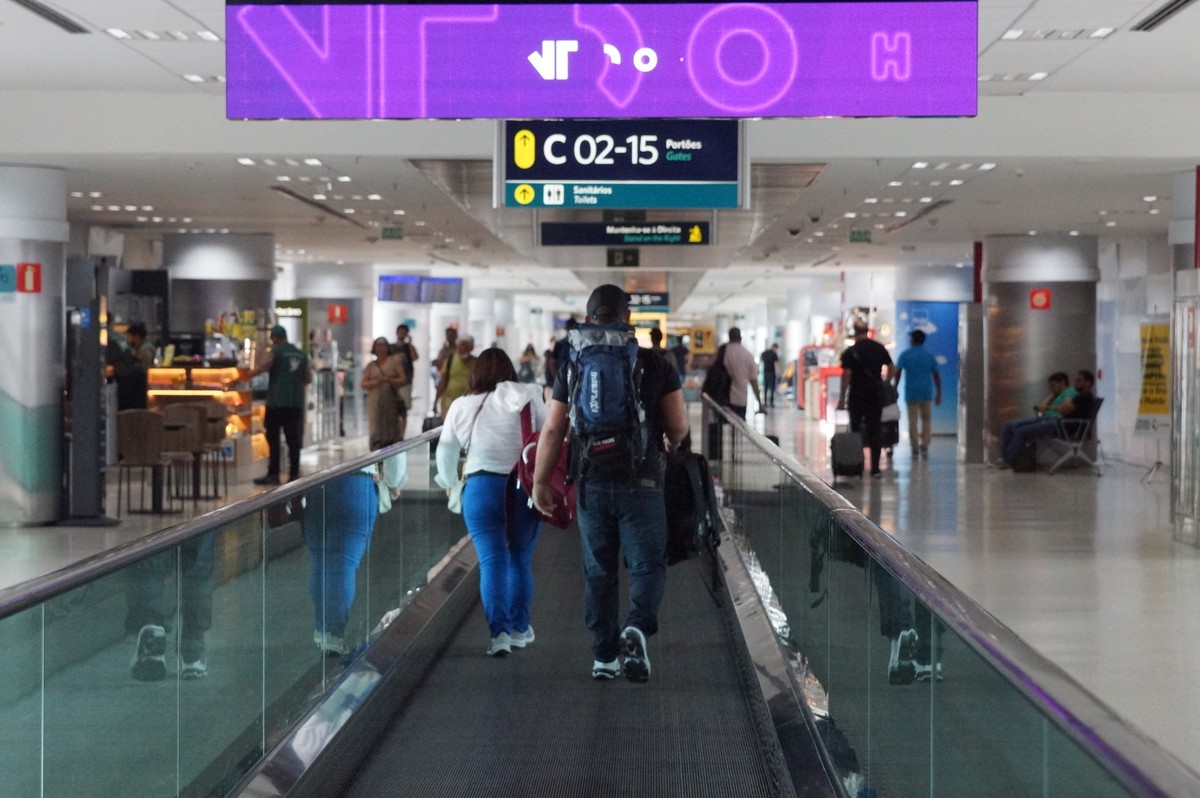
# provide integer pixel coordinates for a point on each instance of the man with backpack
(623, 408)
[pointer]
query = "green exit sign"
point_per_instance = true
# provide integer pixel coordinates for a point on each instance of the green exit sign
(393, 233)
(860, 236)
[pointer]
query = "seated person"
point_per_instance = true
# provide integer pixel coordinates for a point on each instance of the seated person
(1069, 402)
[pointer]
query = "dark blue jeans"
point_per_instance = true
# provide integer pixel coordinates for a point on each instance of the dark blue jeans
(630, 519)
(1015, 434)
(192, 563)
(505, 547)
(338, 522)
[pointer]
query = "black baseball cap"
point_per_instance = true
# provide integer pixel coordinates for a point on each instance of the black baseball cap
(607, 301)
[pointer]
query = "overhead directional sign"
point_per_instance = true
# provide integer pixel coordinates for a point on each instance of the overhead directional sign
(306, 59)
(616, 234)
(621, 163)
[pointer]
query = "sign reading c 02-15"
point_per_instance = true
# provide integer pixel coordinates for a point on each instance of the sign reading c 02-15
(621, 163)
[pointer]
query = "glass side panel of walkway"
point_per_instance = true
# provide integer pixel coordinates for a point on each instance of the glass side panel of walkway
(189, 663)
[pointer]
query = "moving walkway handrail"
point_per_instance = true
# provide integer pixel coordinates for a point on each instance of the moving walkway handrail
(27, 594)
(1140, 763)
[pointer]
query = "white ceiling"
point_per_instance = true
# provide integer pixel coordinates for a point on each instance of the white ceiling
(1113, 122)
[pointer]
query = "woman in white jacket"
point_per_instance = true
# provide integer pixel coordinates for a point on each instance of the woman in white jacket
(503, 527)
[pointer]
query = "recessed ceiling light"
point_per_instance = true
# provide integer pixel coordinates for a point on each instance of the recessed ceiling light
(97, 207)
(247, 161)
(1150, 198)
(348, 210)
(962, 167)
(207, 36)
(211, 230)
(344, 178)
(926, 199)
(187, 220)
(181, 230)
(1011, 35)
(1154, 211)
(942, 165)
(374, 197)
(956, 182)
(142, 219)
(1073, 233)
(147, 208)
(117, 33)
(179, 36)
(149, 35)
(1110, 223)
(419, 224)
(219, 78)
(77, 194)
(305, 179)
(987, 167)
(1103, 213)
(356, 197)
(131, 208)
(901, 214)
(268, 161)
(850, 215)
(172, 220)
(895, 183)
(398, 213)
(935, 182)
(156, 219)
(284, 179)
(312, 161)
(193, 78)
(114, 207)
(819, 233)
(1039, 76)
(224, 231)
(1101, 33)
(1033, 232)
(95, 194)
(921, 165)
(871, 200)
(318, 196)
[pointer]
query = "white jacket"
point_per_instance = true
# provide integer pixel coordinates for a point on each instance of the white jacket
(495, 442)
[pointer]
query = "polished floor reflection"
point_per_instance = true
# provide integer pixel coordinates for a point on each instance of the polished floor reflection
(1083, 568)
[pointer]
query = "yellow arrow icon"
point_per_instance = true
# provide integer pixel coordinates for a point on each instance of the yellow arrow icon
(524, 149)
(524, 194)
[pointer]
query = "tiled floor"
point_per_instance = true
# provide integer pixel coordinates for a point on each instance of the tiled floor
(1083, 568)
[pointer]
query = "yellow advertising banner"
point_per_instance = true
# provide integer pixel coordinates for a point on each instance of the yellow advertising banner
(1156, 370)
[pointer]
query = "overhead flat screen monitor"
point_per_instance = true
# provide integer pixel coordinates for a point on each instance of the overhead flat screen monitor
(305, 60)
(399, 288)
(441, 289)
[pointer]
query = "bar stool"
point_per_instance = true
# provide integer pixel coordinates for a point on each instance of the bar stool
(141, 438)
(185, 428)
(213, 438)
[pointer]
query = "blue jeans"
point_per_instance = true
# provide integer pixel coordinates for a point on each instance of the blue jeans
(145, 599)
(338, 522)
(1015, 434)
(504, 535)
(632, 519)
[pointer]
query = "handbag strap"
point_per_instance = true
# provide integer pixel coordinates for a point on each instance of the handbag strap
(527, 420)
(474, 418)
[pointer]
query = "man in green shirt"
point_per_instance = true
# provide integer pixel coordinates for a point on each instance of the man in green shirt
(289, 373)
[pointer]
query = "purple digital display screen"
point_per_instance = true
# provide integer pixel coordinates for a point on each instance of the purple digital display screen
(664, 60)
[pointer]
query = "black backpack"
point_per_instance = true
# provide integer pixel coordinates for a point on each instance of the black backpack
(693, 517)
(608, 421)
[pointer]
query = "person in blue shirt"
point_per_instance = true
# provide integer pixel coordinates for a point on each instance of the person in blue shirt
(922, 390)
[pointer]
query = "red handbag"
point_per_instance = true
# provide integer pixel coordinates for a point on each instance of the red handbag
(564, 492)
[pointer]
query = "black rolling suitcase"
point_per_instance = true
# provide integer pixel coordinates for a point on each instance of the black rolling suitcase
(846, 454)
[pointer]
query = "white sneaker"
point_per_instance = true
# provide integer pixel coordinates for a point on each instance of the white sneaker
(501, 645)
(522, 639)
(330, 644)
(605, 671)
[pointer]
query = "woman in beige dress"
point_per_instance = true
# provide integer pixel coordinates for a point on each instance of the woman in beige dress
(382, 378)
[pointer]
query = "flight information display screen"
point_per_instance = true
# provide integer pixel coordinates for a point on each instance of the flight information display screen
(600, 61)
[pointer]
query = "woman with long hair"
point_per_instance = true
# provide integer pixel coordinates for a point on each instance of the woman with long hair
(383, 378)
(486, 421)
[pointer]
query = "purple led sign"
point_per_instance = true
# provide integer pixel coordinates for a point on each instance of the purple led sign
(601, 61)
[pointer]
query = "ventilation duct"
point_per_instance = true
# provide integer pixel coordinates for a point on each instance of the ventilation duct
(1162, 14)
(49, 14)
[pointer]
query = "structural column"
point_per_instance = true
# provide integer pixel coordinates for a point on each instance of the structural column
(1039, 318)
(33, 232)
